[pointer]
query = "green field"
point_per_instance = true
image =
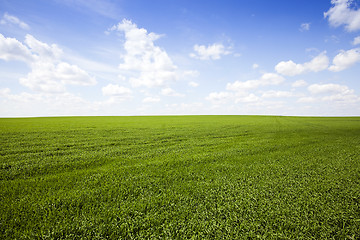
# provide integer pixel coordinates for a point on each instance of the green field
(180, 177)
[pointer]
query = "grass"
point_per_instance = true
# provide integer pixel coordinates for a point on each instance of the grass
(183, 177)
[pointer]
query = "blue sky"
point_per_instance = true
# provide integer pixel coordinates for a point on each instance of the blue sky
(105, 57)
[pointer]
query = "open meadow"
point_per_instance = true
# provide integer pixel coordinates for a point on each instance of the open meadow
(180, 177)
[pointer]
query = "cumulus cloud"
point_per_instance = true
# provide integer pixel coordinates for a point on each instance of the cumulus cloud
(12, 20)
(149, 65)
(356, 40)
(238, 91)
(277, 94)
(12, 49)
(341, 13)
(265, 79)
(116, 90)
(50, 77)
(73, 75)
(307, 100)
(170, 92)
(271, 79)
(243, 85)
(22, 97)
(151, 100)
(35, 104)
(193, 84)
(116, 93)
(48, 72)
(348, 98)
(42, 50)
(299, 83)
(184, 108)
(219, 97)
(4, 92)
(305, 27)
(289, 68)
(345, 59)
(191, 73)
(248, 98)
(214, 51)
(334, 93)
(329, 88)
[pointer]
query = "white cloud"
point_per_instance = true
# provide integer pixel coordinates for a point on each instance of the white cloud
(193, 84)
(249, 98)
(45, 104)
(255, 66)
(184, 108)
(170, 92)
(149, 65)
(334, 93)
(43, 50)
(342, 14)
(48, 72)
(242, 86)
(271, 79)
(219, 97)
(238, 91)
(332, 38)
(116, 90)
(9, 19)
(305, 27)
(277, 94)
(265, 79)
(50, 77)
(42, 79)
(356, 40)
(23, 97)
(345, 59)
(329, 88)
(12, 49)
(4, 92)
(299, 83)
(191, 73)
(348, 98)
(214, 51)
(289, 68)
(151, 100)
(307, 100)
(73, 75)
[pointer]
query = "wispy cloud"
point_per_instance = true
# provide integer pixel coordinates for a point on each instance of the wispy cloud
(102, 7)
(304, 27)
(12, 20)
(356, 40)
(265, 80)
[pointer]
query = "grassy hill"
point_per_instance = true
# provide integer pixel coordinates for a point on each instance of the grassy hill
(180, 177)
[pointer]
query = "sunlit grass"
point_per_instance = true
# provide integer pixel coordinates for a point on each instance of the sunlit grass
(200, 177)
